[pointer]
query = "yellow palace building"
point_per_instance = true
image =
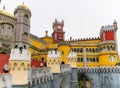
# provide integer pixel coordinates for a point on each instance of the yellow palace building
(95, 51)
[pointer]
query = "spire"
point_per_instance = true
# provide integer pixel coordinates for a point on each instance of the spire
(4, 7)
(115, 25)
(46, 33)
(0, 1)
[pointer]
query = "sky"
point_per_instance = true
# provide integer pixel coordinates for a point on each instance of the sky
(82, 18)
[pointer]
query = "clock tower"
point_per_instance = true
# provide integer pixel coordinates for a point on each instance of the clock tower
(58, 33)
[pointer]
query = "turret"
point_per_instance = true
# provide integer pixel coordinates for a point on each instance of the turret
(115, 25)
(19, 65)
(22, 14)
(108, 54)
(108, 33)
(54, 61)
(72, 59)
(58, 33)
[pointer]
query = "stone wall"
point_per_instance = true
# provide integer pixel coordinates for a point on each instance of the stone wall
(102, 77)
(5, 81)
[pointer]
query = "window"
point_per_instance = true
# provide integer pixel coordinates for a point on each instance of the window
(81, 59)
(112, 58)
(25, 36)
(26, 18)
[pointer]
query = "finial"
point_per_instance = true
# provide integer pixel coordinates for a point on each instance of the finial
(4, 7)
(115, 24)
(46, 33)
(115, 21)
(0, 1)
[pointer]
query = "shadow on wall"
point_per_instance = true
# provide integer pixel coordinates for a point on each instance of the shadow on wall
(84, 81)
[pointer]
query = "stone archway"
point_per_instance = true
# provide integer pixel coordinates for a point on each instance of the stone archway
(84, 81)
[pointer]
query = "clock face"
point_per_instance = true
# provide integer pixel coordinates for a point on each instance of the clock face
(112, 58)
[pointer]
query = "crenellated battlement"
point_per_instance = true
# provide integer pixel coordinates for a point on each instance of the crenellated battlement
(17, 54)
(107, 28)
(83, 39)
(54, 54)
(107, 42)
(101, 69)
(72, 59)
(54, 61)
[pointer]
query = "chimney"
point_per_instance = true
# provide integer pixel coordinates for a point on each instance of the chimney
(46, 33)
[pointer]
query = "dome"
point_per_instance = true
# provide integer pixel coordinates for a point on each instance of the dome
(6, 13)
(23, 6)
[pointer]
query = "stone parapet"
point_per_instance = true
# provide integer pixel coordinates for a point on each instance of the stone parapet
(39, 75)
(102, 69)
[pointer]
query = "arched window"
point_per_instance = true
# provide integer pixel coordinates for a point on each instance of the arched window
(96, 50)
(25, 36)
(93, 50)
(81, 50)
(2, 30)
(93, 59)
(97, 60)
(87, 50)
(81, 59)
(15, 66)
(26, 18)
(78, 59)
(22, 66)
(74, 49)
(90, 50)
(87, 59)
(77, 49)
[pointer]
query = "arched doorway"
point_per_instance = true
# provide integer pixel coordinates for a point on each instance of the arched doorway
(84, 81)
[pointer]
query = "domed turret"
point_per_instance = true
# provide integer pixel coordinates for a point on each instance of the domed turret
(3, 12)
(7, 29)
(22, 7)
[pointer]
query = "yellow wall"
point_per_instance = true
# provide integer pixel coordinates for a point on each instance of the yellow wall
(104, 58)
(65, 49)
(80, 44)
(54, 64)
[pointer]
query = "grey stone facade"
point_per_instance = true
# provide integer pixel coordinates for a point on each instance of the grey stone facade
(102, 77)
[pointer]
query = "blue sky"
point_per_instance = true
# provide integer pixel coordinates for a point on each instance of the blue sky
(82, 18)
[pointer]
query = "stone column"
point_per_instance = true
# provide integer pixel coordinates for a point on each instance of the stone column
(74, 81)
(56, 80)
(84, 56)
